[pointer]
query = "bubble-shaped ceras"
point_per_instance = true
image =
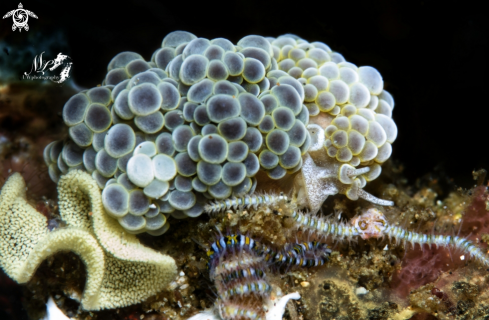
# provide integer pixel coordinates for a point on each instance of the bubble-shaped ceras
(290, 158)
(119, 140)
(217, 70)
(173, 119)
(193, 69)
(81, 134)
(176, 38)
(220, 190)
(117, 71)
(163, 56)
(153, 224)
(237, 151)
(233, 173)
(72, 154)
(268, 159)
(335, 90)
(203, 117)
(221, 107)
(144, 99)
(213, 148)
(151, 123)
(164, 144)
(146, 147)
(277, 141)
(287, 97)
(140, 170)
(266, 125)
(224, 87)
(170, 96)
(200, 91)
(253, 138)
(253, 71)
(232, 129)
(132, 223)
(156, 189)
(115, 199)
(283, 118)
(121, 105)
(137, 66)
(163, 167)
(209, 173)
(252, 109)
(234, 63)
(89, 159)
(105, 164)
(75, 109)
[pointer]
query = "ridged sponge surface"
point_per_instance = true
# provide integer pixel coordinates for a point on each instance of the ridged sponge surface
(120, 271)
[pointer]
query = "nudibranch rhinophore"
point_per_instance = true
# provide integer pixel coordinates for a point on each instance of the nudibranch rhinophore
(200, 119)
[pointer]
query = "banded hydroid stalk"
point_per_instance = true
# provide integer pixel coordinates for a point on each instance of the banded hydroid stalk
(248, 201)
(372, 224)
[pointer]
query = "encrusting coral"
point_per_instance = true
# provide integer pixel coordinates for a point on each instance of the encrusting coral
(120, 271)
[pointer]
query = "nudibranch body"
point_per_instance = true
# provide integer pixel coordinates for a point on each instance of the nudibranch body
(200, 119)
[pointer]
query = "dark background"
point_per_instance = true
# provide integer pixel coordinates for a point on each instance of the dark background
(431, 54)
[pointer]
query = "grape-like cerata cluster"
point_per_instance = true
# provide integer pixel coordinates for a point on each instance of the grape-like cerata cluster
(202, 117)
(362, 130)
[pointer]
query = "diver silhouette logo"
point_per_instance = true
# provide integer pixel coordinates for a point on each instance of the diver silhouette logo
(20, 17)
(39, 66)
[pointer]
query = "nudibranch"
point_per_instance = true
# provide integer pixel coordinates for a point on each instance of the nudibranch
(202, 118)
